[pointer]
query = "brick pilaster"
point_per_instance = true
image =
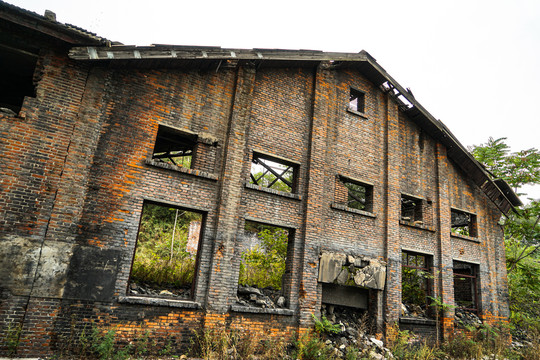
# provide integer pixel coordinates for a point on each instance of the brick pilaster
(223, 278)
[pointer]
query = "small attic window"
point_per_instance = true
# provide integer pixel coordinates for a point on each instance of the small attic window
(357, 100)
(17, 76)
(174, 147)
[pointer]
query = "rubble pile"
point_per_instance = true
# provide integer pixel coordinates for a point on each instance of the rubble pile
(266, 298)
(466, 318)
(146, 289)
(413, 310)
(355, 329)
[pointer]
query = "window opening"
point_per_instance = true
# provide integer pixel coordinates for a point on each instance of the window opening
(466, 286)
(174, 147)
(463, 223)
(17, 68)
(264, 266)
(357, 100)
(166, 253)
(416, 280)
(411, 209)
(272, 173)
(359, 195)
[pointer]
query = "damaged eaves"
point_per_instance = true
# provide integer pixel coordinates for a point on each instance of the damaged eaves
(215, 57)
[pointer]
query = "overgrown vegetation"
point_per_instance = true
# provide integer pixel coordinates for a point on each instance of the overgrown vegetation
(162, 255)
(264, 264)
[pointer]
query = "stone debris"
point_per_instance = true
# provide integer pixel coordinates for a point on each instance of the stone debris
(266, 298)
(466, 318)
(146, 289)
(413, 310)
(354, 333)
(350, 270)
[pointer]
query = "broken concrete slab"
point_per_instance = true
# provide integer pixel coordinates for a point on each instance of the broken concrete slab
(340, 268)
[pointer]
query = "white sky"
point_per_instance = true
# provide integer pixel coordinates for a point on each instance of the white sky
(474, 64)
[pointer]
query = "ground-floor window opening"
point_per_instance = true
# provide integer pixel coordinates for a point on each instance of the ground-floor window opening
(264, 266)
(354, 323)
(466, 287)
(416, 279)
(166, 253)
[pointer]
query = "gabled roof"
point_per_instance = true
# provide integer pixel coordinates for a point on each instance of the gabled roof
(67, 33)
(92, 48)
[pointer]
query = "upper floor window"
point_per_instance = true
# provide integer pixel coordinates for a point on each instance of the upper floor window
(17, 65)
(357, 100)
(174, 147)
(411, 209)
(359, 195)
(463, 223)
(273, 173)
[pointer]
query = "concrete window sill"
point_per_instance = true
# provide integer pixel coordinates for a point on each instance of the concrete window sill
(151, 301)
(416, 226)
(357, 113)
(465, 237)
(417, 321)
(351, 210)
(255, 310)
(184, 170)
(272, 191)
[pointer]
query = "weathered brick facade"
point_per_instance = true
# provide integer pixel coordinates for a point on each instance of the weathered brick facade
(76, 168)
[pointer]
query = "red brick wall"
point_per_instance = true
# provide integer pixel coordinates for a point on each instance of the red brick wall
(77, 173)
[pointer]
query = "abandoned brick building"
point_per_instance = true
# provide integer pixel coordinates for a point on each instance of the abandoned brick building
(374, 203)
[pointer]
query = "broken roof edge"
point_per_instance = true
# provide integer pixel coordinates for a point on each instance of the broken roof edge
(499, 192)
(68, 33)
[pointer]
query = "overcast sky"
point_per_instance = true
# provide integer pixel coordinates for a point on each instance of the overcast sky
(475, 65)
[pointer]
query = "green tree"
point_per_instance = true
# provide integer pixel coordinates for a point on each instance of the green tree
(521, 229)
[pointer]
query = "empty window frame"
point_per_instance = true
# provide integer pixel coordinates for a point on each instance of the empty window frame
(165, 258)
(273, 173)
(357, 100)
(17, 66)
(466, 286)
(416, 279)
(174, 147)
(359, 195)
(264, 265)
(412, 209)
(463, 223)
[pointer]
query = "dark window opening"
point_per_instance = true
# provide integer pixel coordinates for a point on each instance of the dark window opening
(463, 223)
(166, 253)
(174, 147)
(264, 266)
(272, 173)
(412, 209)
(416, 279)
(466, 286)
(16, 76)
(359, 195)
(357, 100)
